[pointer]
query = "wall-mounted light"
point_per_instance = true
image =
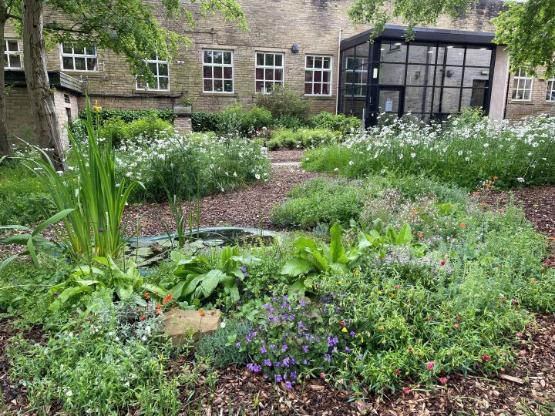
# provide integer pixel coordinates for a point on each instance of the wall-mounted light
(295, 48)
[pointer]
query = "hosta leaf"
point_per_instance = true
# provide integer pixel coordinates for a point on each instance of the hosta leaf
(337, 250)
(404, 236)
(67, 295)
(210, 281)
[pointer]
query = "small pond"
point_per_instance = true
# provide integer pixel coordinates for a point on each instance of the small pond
(151, 250)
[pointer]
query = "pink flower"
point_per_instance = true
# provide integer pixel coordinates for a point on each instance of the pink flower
(443, 380)
(486, 358)
(407, 390)
(430, 365)
(442, 262)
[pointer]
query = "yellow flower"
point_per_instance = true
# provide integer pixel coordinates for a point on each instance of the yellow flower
(96, 108)
(344, 329)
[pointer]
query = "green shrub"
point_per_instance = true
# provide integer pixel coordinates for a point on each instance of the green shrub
(24, 198)
(110, 363)
(319, 201)
(128, 116)
(117, 131)
(191, 166)
(301, 138)
(233, 120)
(282, 102)
(220, 346)
(336, 122)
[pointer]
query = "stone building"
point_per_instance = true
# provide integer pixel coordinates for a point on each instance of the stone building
(301, 44)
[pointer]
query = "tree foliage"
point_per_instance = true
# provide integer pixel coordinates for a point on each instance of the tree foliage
(526, 28)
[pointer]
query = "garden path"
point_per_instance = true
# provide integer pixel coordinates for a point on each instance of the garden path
(250, 206)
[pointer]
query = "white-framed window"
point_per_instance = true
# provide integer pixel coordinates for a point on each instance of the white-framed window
(12, 55)
(317, 80)
(550, 94)
(356, 76)
(160, 76)
(522, 86)
(79, 58)
(217, 71)
(269, 71)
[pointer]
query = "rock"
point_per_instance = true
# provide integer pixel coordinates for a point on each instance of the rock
(178, 324)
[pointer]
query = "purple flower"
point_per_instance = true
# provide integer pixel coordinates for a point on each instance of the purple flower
(272, 347)
(288, 385)
(267, 362)
(244, 271)
(254, 368)
(305, 362)
(327, 357)
(301, 325)
(286, 362)
(352, 334)
(347, 350)
(263, 350)
(278, 378)
(332, 341)
(238, 345)
(293, 375)
(302, 302)
(250, 336)
(284, 347)
(305, 348)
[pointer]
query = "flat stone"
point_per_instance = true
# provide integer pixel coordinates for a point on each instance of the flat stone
(179, 324)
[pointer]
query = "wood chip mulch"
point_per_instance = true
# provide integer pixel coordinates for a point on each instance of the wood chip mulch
(247, 207)
(538, 203)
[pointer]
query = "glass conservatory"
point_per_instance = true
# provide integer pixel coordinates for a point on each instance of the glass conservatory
(437, 73)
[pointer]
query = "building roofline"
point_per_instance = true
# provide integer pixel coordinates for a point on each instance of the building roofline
(423, 34)
(58, 80)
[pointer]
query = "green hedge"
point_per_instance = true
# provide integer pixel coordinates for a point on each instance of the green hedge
(131, 115)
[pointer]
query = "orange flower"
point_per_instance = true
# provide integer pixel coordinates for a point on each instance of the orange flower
(201, 312)
(167, 299)
(158, 309)
(142, 318)
(462, 225)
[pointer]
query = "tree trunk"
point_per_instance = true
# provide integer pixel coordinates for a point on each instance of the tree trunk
(38, 84)
(4, 145)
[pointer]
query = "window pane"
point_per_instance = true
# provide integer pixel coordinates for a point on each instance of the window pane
(15, 61)
(259, 59)
(269, 59)
(164, 83)
(326, 76)
(418, 99)
(455, 55)
(67, 49)
(91, 64)
(67, 63)
(207, 85)
(207, 72)
(474, 97)
(318, 76)
(393, 52)
(78, 50)
(208, 57)
(307, 88)
(80, 64)
(450, 100)
(227, 58)
(153, 68)
(317, 88)
(392, 74)
(327, 63)
(218, 85)
(420, 75)
(218, 72)
(326, 89)
(269, 86)
(475, 74)
(279, 74)
(317, 62)
(259, 86)
(269, 74)
(422, 54)
(309, 62)
(217, 55)
(228, 73)
(259, 73)
(308, 76)
(163, 69)
(478, 57)
(450, 76)
(228, 86)
(13, 46)
(279, 60)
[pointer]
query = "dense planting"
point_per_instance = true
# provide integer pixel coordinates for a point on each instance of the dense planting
(468, 151)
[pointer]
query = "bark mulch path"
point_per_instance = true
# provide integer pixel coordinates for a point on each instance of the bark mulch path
(538, 203)
(247, 207)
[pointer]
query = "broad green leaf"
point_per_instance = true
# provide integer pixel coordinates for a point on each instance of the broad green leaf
(211, 280)
(6, 262)
(20, 239)
(297, 267)
(67, 295)
(158, 291)
(405, 235)
(337, 250)
(15, 227)
(32, 251)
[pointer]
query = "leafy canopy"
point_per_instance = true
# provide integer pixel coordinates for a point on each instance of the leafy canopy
(526, 28)
(132, 28)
